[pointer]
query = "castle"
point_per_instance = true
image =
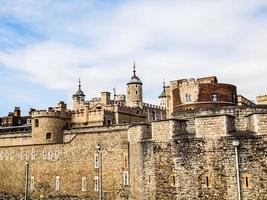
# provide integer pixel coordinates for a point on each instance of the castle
(204, 141)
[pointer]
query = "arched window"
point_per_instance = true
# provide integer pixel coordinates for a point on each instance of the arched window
(48, 136)
(36, 122)
(215, 97)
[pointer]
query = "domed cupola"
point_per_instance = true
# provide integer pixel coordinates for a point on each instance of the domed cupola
(135, 79)
(78, 98)
(79, 91)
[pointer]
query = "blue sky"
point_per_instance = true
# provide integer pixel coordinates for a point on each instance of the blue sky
(46, 45)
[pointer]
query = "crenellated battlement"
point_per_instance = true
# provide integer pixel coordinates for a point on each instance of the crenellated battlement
(147, 105)
(50, 113)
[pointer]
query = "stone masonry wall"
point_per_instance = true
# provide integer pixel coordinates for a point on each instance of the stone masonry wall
(72, 162)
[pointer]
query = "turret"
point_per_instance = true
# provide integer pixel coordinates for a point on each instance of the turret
(134, 90)
(78, 98)
(48, 125)
(163, 97)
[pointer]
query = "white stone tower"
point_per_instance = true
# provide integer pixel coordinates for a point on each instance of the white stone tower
(78, 98)
(134, 90)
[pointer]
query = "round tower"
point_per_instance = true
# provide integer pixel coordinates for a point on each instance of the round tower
(48, 126)
(78, 98)
(134, 90)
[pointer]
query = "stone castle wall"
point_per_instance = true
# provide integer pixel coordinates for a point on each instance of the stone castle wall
(72, 162)
(165, 159)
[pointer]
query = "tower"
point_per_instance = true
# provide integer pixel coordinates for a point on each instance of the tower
(134, 90)
(163, 97)
(78, 98)
(48, 125)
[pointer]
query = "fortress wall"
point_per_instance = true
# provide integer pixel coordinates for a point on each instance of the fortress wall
(16, 139)
(257, 122)
(190, 161)
(164, 130)
(70, 162)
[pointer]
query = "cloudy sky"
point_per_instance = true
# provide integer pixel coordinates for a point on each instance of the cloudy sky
(45, 46)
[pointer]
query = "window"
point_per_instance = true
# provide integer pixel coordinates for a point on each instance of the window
(96, 179)
(49, 155)
(136, 92)
(43, 154)
(125, 161)
(33, 154)
(48, 136)
(97, 161)
(57, 183)
(246, 180)
(173, 180)
(32, 183)
(36, 122)
(214, 97)
(207, 181)
(149, 179)
(109, 122)
(188, 98)
(125, 178)
(29, 121)
(84, 184)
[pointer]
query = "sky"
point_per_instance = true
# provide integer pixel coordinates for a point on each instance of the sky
(45, 46)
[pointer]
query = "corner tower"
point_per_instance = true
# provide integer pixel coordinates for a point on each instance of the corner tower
(134, 90)
(78, 98)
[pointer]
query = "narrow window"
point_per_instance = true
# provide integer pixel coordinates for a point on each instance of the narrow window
(149, 179)
(43, 154)
(84, 184)
(97, 161)
(57, 183)
(48, 136)
(207, 181)
(136, 92)
(49, 155)
(125, 178)
(188, 98)
(33, 154)
(247, 184)
(173, 180)
(56, 154)
(125, 161)
(214, 97)
(32, 183)
(96, 183)
(36, 122)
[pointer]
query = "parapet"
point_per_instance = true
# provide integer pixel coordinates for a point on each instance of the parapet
(50, 113)
(214, 125)
(256, 122)
(165, 130)
(158, 131)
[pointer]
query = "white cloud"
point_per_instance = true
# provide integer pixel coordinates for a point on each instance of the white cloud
(167, 39)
